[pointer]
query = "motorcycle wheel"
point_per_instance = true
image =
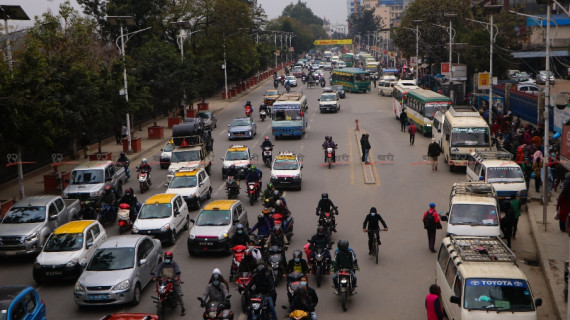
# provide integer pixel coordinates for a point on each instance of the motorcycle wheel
(344, 300)
(243, 303)
(143, 187)
(329, 161)
(251, 200)
(318, 275)
(161, 311)
(122, 229)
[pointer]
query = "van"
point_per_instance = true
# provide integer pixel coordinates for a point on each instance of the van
(473, 210)
(385, 87)
(480, 279)
(498, 168)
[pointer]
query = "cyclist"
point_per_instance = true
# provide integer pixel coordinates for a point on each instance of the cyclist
(372, 220)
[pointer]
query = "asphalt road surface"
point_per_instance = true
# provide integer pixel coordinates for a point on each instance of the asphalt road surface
(393, 289)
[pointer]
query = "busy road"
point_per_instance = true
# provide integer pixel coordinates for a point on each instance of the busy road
(404, 185)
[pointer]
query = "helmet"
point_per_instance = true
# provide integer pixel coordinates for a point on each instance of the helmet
(260, 268)
(122, 154)
(277, 228)
(248, 102)
(276, 193)
(343, 245)
(432, 205)
(129, 192)
(278, 203)
(270, 185)
(320, 230)
(168, 256)
(108, 187)
(260, 217)
(143, 160)
(297, 254)
(216, 279)
(252, 168)
(325, 195)
(266, 138)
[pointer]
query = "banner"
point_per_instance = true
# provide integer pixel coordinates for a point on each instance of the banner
(330, 42)
(484, 81)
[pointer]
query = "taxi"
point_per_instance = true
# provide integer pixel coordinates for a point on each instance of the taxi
(162, 216)
(193, 185)
(238, 156)
(270, 96)
(286, 171)
(215, 225)
(68, 250)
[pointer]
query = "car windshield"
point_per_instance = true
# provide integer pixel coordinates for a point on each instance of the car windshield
(214, 218)
(271, 92)
(328, 97)
(86, 176)
(110, 259)
(240, 122)
(286, 115)
(64, 242)
(290, 78)
(498, 295)
(25, 215)
(237, 155)
(204, 115)
(155, 211)
(183, 182)
(504, 174)
(472, 137)
(285, 165)
(168, 147)
(185, 156)
(473, 214)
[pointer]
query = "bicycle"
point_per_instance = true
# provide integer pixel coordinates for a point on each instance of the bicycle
(376, 241)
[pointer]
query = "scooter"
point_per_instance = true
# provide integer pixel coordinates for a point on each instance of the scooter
(262, 115)
(252, 192)
(236, 260)
(143, 180)
(248, 111)
(124, 216)
(217, 311)
(267, 156)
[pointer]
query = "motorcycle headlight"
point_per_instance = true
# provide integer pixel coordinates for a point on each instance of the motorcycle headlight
(32, 237)
(165, 227)
(212, 314)
(222, 236)
(192, 236)
(123, 285)
(343, 281)
(135, 230)
(72, 263)
(256, 305)
(79, 287)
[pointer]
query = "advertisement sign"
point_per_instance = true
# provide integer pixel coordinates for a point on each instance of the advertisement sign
(392, 54)
(277, 52)
(331, 42)
(445, 67)
(484, 81)
(565, 146)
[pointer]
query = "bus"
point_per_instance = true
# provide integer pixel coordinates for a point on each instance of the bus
(372, 67)
(348, 58)
(399, 95)
(421, 107)
(289, 115)
(352, 79)
(459, 131)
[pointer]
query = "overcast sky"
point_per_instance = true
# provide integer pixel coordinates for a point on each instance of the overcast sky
(333, 10)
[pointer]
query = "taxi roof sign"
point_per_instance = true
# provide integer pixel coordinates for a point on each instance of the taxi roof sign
(286, 155)
(74, 227)
(161, 198)
(220, 205)
(237, 147)
(186, 173)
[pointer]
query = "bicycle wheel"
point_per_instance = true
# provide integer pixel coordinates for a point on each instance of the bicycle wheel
(376, 247)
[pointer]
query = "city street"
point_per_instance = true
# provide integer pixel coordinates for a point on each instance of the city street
(404, 186)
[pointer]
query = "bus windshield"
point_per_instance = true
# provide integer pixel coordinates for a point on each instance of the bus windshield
(287, 115)
(432, 108)
(467, 137)
(498, 295)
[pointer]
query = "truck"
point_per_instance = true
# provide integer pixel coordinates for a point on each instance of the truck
(193, 149)
(88, 181)
(30, 221)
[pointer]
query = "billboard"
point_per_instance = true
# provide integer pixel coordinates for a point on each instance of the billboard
(484, 81)
(331, 42)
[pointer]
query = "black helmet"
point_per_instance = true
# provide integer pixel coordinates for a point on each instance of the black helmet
(233, 166)
(129, 192)
(297, 254)
(260, 217)
(122, 154)
(320, 230)
(260, 268)
(343, 245)
(325, 195)
(277, 228)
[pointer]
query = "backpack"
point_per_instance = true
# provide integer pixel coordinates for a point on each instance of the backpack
(429, 220)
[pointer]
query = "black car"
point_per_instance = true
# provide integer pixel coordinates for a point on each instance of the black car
(340, 90)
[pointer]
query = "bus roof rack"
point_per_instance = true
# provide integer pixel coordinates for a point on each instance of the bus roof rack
(464, 111)
(482, 249)
(474, 188)
(499, 154)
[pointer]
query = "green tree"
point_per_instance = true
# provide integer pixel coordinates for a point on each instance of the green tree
(363, 23)
(302, 13)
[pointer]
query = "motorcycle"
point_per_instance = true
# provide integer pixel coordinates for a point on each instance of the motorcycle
(326, 220)
(232, 188)
(275, 259)
(287, 87)
(124, 215)
(107, 213)
(258, 308)
(304, 79)
(329, 156)
(320, 264)
(143, 180)
(267, 156)
(241, 282)
(89, 210)
(248, 111)
(262, 115)
(217, 311)
(293, 283)
(238, 255)
(252, 191)
(278, 219)
(345, 287)
(166, 298)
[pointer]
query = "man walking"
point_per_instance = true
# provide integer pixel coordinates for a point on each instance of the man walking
(412, 129)
(433, 153)
(431, 222)
(403, 120)
(365, 145)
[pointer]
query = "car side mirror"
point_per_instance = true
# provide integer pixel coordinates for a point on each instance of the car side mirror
(161, 149)
(443, 218)
(201, 184)
(538, 302)
(236, 221)
(455, 299)
(88, 245)
(319, 99)
(143, 261)
(53, 218)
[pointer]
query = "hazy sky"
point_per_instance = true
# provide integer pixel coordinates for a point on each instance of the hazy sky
(333, 10)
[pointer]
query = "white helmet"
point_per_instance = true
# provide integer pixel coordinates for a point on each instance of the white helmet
(143, 160)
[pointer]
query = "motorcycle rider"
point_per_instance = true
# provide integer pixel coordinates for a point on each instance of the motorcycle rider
(282, 209)
(146, 167)
(123, 161)
(265, 108)
(248, 107)
(268, 193)
(248, 262)
(329, 143)
(277, 238)
(287, 85)
(298, 264)
(267, 143)
(216, 291)
(304, 298)
(264, 285)
(320, 241)
(326, 205)
(254, 175)
(344, 258)
(108, 196)
(255, 252)
(372, 220)
(169, 269)
(130, 199)
(277, 196)
(240, 237)
(264, 225)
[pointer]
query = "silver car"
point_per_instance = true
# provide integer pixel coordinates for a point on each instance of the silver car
(541, 77)
(118, 271)
(242, 128)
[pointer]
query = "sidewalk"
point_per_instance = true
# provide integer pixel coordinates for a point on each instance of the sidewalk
(552, 247)
(34, 181)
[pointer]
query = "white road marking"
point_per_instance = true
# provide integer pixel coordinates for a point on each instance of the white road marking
(222, 132)
(220, 188)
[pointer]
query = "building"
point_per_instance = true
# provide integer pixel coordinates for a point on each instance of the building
(353, 6)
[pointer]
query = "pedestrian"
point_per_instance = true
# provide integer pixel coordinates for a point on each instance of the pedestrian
(536, 168)
(431, 223)
(526, 167)
(117, 131)
(124, 131)
(516, 207)
(433, 153)
(374, 79)
(433, 304)
(412, 129)
(507, 223)
(559, 173)
(365, 144)
(84, 141)
(562, 209)
(403, 120)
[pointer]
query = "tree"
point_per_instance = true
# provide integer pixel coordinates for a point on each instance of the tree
(364, 22)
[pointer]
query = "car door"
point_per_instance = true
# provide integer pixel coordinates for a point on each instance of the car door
(34, 309)
(176, 214)
(241, 214)
(143, 263)
(183, 207)
(54, 218)
(89, 245)
(206, 183)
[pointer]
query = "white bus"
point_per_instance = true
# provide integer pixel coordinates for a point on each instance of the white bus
(399, 95)
(421, 107)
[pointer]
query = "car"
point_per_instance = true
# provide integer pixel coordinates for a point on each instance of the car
(385, 87)
(322, 64)
(162, 216)
(21, 302)
(319, 73)
(193, 185)
(215, 225)
(341, 65)
(329, 102)
(118, 271)
(529, 89)
(522, 76)
(242, 128)
(270, 96)
(166, 154)
(286, 171)
(298, 71)
(541, 77)
(328, 66)
(68, 250)
(209, 119)
(315, 66)
(292, 80)
(239, 156)
(340, 90)
(327, 89)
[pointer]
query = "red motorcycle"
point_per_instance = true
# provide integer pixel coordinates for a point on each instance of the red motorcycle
(252, 191)
(217, 311)
(278, 219)
(241, 282)
(165, 298)
(124, 216)
(239, 251)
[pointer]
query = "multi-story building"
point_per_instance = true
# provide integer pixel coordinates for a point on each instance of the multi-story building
(354, 6)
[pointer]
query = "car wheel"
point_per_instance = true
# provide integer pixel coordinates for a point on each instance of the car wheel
(172, 239)
(136, 295)
(198, 203)
(187, 224)
(119, 191)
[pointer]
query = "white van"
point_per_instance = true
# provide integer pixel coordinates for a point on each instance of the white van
(498, 168)
(480, 279)
(473, 210)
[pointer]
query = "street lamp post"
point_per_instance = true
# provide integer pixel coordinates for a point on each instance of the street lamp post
(417, 32)
(225, 67)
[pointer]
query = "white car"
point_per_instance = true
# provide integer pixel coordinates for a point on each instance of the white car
(329, 102)
(193, 185)
(292, 80)
(341, 64)
(286, 171)
(236, 155)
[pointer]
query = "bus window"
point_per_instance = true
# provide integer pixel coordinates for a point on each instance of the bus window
(280, 115)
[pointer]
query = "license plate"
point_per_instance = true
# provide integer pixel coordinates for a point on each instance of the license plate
(98, 297)
(238, 134)
(266, 153)
(206, 243)
(54, 273)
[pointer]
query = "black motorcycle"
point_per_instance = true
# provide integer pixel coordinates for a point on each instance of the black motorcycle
(107, 213)
(326, 219)
(89, 210)
(217, 311)
(320, 264)
(258, 308)
(276, 262)
(293, 283)
(232, 187)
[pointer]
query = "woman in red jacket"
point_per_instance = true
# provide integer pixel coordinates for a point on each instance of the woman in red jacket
(433, 303)
(563, 208)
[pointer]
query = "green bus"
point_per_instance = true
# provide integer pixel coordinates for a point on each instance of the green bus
(422, 105)
(352, 79)
(348, 58)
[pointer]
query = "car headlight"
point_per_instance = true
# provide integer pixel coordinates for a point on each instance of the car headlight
(222, 236)
(79, 287)
(228, 133)
(95, 194)
(123, 285)
(250, 132)
(297, 176)
(165, 227)
(273, 176)
(171, 171)
(192, 236)
(32, 237)
(37, 265)
(72, 263)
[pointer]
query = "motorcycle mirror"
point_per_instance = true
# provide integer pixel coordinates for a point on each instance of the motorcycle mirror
(228, 297)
